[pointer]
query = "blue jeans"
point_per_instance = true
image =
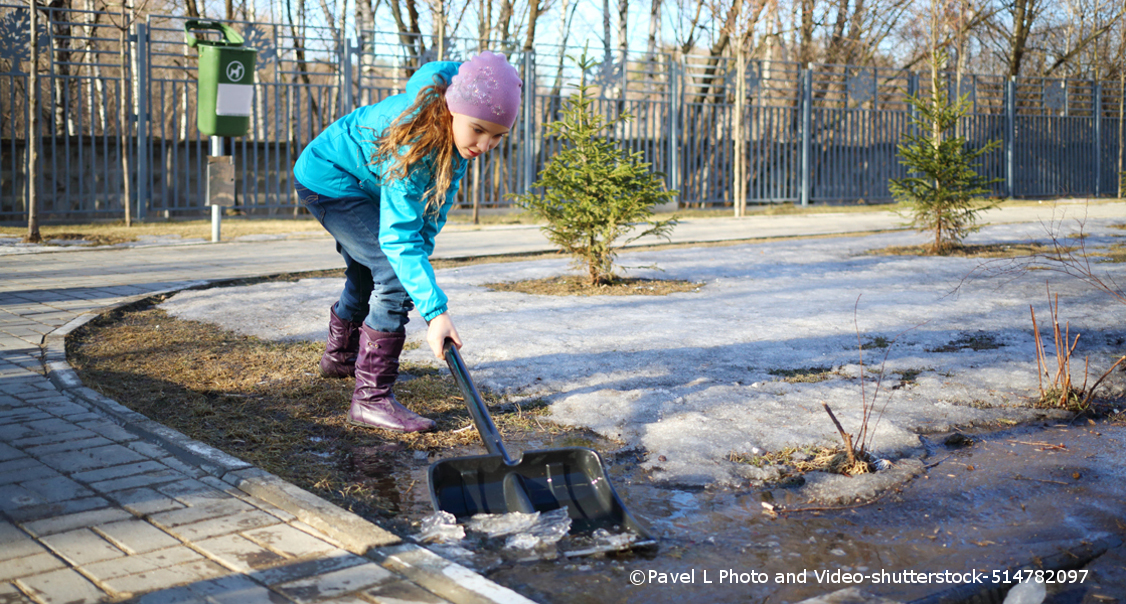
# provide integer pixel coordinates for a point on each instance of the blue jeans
(372, 292)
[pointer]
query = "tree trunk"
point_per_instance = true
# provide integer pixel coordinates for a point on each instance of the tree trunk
(534, 10)
(33, 235)
(805, 45)
(1024, 12)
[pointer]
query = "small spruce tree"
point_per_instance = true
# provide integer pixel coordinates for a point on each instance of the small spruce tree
(593, 192)
(945, 192)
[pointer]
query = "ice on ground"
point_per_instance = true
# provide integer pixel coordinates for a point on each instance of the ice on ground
(693, 377)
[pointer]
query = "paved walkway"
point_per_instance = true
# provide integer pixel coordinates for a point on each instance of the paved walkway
(98, 503)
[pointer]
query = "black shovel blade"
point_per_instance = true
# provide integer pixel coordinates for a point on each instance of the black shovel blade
(549, 479)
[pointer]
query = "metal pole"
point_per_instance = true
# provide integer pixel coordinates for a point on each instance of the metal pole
(740, 202)
(529, 123)
(33, 129)
(1098, 108)
(216, 210)
(1010, 136)
(142, 96)
(806, 133)
(676, 103)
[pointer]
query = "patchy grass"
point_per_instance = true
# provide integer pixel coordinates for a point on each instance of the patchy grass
(977, 342)
(994, 250)
(878, 342)
(809, 375)
(1115, 252)
(802, 460)
(113, 233)
(266, 403)
(578, 286)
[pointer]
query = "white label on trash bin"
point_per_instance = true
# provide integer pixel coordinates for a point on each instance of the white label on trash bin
(234, 99)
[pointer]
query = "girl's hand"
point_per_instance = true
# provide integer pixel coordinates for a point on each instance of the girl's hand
(441, 327)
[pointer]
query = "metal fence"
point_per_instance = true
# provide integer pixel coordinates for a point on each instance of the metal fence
(814, 134)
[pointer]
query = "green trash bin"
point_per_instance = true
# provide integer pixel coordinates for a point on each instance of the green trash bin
(226, 80)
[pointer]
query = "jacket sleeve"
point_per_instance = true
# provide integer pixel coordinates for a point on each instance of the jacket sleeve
(407, 240)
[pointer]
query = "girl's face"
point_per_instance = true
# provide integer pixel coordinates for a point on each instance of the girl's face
(475, 136)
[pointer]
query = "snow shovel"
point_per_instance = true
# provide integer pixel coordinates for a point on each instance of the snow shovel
(540, 481)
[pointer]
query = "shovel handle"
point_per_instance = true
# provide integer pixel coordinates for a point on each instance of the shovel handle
(477, 409)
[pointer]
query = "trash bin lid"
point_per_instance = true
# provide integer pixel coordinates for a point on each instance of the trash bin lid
(230, 36)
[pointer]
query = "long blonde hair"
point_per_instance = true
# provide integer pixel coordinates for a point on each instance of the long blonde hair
(425, 128)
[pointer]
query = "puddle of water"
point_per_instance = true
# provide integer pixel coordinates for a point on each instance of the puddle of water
(997, 504)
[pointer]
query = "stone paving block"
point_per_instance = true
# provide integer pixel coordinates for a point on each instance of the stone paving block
(148, 449)
(57, 488)
(136, 536)
(402, 592)
(54, 437)
(238, 553)
(41, 427)
(289, 541)
(194, 492)
(236, 589)
(334, 561)
(63, 586)
(109, 430)
(9, 453)
(142, 563)
(44, 510)
(163, 578)
(103, 463)
(145, 501)
(61, 524)
(14, 498)
(445, 578)
(147, 479)
(199, 513)
(82, 546)
(29, 565)
(10, 594)
(22, 469)
(70, 445)
(336, 583)
(223, 525)
(176, 595)
(176, 465)
(22, 413)
(17, 543)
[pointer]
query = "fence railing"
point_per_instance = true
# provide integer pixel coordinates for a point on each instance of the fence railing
(809, 134)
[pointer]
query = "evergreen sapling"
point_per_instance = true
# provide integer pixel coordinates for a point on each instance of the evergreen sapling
(596, 197)
(945, 192)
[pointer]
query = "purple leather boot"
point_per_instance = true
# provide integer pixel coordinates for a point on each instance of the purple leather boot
(339, 359)
(377, 367)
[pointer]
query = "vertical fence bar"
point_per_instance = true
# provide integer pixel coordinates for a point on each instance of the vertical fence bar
(806, 133)
(676, 105)
(1010, 135)
(529, 141)
(1097, 108)
(144, 154)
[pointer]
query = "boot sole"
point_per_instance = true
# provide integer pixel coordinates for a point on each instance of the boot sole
(374, 427)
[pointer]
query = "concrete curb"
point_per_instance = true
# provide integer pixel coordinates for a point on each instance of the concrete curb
(353, 532)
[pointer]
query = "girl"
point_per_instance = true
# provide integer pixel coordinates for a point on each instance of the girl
(381, 180)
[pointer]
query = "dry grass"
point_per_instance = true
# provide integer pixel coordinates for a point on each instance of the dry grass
(578, 286)
(995, 250)
(265, 403)
(810, 375)
(802, 460)
(113, 233)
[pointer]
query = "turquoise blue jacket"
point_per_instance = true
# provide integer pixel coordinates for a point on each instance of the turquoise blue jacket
(337, 163)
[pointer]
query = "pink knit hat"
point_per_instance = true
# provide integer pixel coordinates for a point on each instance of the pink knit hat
(488, 88)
